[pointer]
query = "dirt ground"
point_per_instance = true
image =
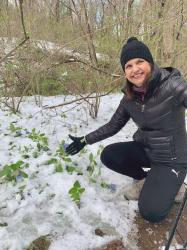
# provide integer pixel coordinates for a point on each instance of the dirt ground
(152, 236)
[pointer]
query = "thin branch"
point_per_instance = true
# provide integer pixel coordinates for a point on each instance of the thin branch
(73, 60)
(98, 69)
(83, 98)
(13, 50)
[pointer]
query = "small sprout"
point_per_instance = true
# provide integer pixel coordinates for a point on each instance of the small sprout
(104, 184)
(52, 161)
(14, 172)
(70, 169)
(3, 224)
(58, 168)
(63, 115)
(35, 154)
(25, 156)
(40, 138)
(92, 164)
(14, 129)
(76, 192)
(57, 164)
(61, 152)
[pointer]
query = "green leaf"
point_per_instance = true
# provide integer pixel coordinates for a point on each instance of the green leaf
(3, 224)
(59, 168)
(16, 165)
(25, 156)
(70, 169)
(76, 191)
(72, 190)
(67, 159)
(91, 157)
(24, 174)
(81, 190)
(104, 184)
(35, 154)
(52, 161)
(6, 171)
(77, 184)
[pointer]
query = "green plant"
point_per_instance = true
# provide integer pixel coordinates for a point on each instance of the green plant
(76, 192)
(25, 151)
(70, 169)
(104, 184)
(92, 164)
(57, 164)
(93, 169)
(35, 154)
(15, 130)
(58, 167)
(12, 171)
(52, 161)
(40, 138)
(61, 152)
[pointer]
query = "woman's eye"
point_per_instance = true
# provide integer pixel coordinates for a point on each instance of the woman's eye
(127, 67)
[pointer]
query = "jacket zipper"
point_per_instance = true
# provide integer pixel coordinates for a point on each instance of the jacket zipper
(143, 108)
(172, 145)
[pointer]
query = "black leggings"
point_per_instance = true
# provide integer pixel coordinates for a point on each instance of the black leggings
(127, 158)
(162, 182)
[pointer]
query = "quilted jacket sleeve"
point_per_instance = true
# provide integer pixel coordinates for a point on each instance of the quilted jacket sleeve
(180, 91)
(118, 120)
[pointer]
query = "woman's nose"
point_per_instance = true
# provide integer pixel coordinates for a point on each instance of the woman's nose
(135, 68)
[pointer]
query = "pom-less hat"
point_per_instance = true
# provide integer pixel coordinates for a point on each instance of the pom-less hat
(135, 49)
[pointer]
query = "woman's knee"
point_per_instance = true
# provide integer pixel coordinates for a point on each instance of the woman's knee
(152, 213)
(106, 155)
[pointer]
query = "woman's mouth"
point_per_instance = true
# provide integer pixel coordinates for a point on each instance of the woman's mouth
(137, 76)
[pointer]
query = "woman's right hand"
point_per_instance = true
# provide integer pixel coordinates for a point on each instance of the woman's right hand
(76, 146)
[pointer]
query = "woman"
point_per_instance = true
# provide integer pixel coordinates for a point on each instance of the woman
(155, 98)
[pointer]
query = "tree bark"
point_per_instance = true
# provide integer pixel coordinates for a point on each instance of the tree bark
(89, 35)
(129, 19)
(57, 10)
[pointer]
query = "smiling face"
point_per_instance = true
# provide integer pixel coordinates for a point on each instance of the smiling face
(137, 71)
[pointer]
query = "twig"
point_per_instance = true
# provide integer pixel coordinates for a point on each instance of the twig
(82, 98)
(73, 60)
(13, 50)
(98, 69)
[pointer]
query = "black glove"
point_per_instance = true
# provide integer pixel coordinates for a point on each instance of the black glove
(76, 146)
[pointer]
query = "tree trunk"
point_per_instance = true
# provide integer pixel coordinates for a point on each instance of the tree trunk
(129, 19)
(89, 35)
(160, 31)
(57, 10)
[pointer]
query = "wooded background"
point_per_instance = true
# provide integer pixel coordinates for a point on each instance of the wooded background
(85, 38)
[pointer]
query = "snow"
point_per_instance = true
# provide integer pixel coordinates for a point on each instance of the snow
(40, 204)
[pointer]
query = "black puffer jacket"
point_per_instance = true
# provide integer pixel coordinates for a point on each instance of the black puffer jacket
(160, 119)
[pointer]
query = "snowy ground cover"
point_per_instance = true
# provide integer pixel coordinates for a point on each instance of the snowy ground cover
(44, 192)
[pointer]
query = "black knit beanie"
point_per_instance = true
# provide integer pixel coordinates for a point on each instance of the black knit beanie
(135, 49)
